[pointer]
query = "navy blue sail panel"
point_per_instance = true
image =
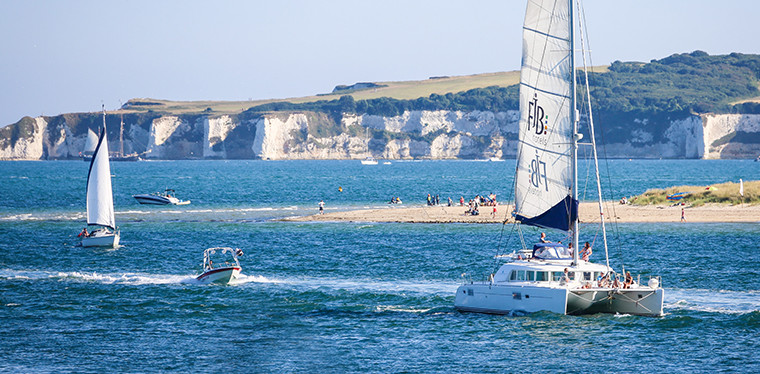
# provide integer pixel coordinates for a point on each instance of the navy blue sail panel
(557, 217)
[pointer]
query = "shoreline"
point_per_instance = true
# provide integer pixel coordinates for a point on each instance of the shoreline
(589, 213)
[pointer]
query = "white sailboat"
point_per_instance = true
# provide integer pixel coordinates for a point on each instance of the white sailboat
(100, 213)
(89, 145)
(369, 160)
(550, 276)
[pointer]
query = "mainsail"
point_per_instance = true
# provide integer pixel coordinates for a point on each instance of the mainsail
(90, 143)
(544, 178)
(99, 193)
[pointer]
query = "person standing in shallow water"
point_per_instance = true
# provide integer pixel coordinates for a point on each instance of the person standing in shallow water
(683, 217)
(321, 207)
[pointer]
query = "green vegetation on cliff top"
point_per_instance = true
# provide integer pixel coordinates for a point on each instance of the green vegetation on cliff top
(677, 85)
(723, 193)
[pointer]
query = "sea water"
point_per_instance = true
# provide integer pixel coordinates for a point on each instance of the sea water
(347, 297)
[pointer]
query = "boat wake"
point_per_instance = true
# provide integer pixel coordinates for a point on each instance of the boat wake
(712, 301)
(328, 285)
(135, 279)
(337, 285)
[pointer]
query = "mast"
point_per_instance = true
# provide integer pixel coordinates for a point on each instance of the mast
(574, 118)
(121, 137)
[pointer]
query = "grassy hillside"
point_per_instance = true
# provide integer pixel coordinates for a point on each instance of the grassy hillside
(723, 193)
(397, 90)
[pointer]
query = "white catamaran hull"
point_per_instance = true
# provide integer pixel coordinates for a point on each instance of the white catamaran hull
(221, 275)
(642, 301)
(98, 239)
(502, 299)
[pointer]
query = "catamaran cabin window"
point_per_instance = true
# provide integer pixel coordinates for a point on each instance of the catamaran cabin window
(542, 276)
(587, 275)
(556, 276)
(519, 275)
(530, 275)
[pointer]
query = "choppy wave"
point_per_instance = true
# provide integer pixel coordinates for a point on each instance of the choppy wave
(713, 301)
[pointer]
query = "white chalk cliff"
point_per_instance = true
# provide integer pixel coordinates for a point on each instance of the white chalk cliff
(411, 135)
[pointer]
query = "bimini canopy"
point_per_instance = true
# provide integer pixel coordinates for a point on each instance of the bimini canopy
(552, 251)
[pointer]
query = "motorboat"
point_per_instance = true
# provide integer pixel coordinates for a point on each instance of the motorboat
(160, 198)
(220, 272)
(369, 161)
(100, 212)
(551, 276)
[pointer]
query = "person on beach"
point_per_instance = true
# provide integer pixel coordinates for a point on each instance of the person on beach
(683, 217)
(493, 214)
(429, 200)
(461, 200)
(451, 202)
(321, 207)
(586, 252)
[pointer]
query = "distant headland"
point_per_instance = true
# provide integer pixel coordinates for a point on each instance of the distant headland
(689, 105)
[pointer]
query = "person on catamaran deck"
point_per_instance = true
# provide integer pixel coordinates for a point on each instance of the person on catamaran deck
(628, 280)
(565, 277)
(586, 252)
(543, 238)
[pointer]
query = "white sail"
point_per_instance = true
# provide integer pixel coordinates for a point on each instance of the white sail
(91, 142)
(544, 178)
(99, 192)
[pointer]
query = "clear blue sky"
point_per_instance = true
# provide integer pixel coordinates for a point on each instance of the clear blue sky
(71, 56)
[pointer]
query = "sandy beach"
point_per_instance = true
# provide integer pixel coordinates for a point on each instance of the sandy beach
(589, 212)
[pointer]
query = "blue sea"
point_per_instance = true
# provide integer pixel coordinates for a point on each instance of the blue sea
(347, 297)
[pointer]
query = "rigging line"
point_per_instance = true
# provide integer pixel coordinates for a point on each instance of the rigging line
(501, 232)
(584, 43)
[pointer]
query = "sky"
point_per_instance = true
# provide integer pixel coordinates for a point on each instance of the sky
(72, 56)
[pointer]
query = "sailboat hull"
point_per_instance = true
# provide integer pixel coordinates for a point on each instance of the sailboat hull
(101, 240)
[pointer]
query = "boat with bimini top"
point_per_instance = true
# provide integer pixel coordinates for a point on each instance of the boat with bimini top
(553, 276)
(160, 198)
(220, 272)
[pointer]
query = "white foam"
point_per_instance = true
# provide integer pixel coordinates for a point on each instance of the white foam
(713, 301)
(365, 285)
(104, 278)
(399, 308)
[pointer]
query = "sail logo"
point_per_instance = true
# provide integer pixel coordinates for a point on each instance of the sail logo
(538, 173)
(536, 117)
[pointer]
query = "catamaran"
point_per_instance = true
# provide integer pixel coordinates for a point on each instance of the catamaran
(552, 276)
(100, 213)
